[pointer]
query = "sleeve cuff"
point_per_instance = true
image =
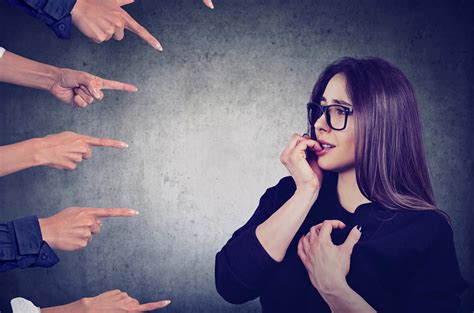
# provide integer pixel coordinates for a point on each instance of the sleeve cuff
(28, 235)
(46, 256)
(59, 9)
(62, 28)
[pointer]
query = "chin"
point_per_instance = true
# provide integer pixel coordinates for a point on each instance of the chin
(332, 165)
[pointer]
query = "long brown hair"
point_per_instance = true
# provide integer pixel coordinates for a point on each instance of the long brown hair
(390, 160)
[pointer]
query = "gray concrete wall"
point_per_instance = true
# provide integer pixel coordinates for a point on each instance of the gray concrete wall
(213, 113)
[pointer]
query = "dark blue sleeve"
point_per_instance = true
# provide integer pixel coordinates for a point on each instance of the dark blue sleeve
(21, 245)
(437, 284)
(55, 13)
(243, 266)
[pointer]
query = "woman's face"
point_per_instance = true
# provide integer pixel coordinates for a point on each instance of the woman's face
(341, 156)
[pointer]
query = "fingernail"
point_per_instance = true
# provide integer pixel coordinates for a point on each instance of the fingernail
(359, 228)
(124, 145)
(212, 6)
(167, 302)
(96, 93)
(135, 88)
(134, 212)
(159, 47)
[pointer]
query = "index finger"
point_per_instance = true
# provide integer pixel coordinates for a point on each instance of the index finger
(209, 4)
(328, 226)
(151, 306)
(105, 142)
(116, 85)
(141, 31)
(112, 212)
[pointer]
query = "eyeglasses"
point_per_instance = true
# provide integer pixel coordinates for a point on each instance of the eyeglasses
(336, 116)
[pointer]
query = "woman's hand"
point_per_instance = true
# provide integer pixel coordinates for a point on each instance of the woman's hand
(81, 88)
(326, 263)
(117, 301)
(100, 20)
(72, 228)
(67, 149)
(305, 170)
(114, 301)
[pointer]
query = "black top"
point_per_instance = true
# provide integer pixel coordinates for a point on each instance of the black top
(405, 261)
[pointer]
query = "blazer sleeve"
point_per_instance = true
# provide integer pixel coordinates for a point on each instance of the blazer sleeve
(21, 245)
(243, 266)
(437, 284)
(54, 13)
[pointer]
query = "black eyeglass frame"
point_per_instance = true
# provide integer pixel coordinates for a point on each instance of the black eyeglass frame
(324, 110)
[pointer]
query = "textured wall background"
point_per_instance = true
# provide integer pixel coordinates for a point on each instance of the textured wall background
(213, 113)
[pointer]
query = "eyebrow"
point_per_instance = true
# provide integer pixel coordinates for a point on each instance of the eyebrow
(337, 101)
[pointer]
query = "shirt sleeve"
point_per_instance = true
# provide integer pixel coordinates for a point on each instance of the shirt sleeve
(55, 13)
(22, 305)
(21, 245)
(437, 284)
(243, 266)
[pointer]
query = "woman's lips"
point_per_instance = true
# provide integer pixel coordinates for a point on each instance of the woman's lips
(323, 151)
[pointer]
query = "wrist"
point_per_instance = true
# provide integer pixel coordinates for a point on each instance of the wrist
(46, 233)
(307, 191)
(334, 295)
(38, 156)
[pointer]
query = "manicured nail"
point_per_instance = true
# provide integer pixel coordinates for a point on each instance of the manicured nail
(359, 228)
(212, 6)
(159, 47)
(123, 145)
(135, 88)
(167, 302)
(135, 212)
(96, 93)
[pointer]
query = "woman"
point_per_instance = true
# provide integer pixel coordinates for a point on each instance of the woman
(355, 228)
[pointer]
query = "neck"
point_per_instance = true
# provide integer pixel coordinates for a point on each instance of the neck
(348, 191)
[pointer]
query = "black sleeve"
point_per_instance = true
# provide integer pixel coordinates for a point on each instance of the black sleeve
(55, 13)
(243, 266)
(21, 245)
(437, 284)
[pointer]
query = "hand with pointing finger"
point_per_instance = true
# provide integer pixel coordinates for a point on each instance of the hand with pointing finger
(72, 228)
(114, 301)
(100, 20)
(67, 149)
(326, 263)
(61, 151)
(81, 88)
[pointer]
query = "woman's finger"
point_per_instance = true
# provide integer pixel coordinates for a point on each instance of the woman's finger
(327, 227)
(81, 91)
(78, 101)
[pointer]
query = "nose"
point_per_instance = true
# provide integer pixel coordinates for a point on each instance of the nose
(321, 125)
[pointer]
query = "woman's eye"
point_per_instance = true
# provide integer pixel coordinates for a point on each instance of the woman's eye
(341, 112)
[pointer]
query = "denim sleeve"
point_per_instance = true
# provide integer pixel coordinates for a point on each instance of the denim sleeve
(21, 245)
(55, 13)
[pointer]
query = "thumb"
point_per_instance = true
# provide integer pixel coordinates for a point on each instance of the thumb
(352, 239)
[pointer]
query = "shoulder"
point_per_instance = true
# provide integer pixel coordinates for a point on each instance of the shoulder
(433, 222)
(423, 229)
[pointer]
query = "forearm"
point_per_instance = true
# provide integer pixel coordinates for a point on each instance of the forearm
(277, 232)
(19, 156)
(18, 70)
(346, 300)
(74, 307)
